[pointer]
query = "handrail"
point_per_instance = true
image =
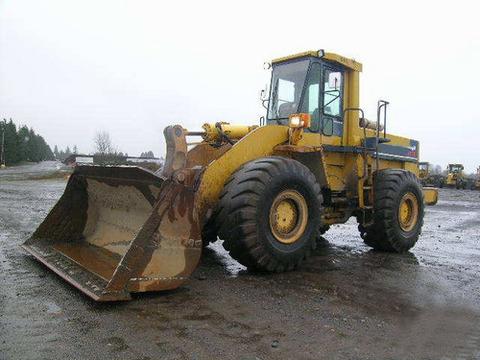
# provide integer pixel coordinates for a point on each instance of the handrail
(380, 104)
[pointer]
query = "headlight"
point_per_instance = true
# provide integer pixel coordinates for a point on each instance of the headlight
(295, 121)
(301, 120)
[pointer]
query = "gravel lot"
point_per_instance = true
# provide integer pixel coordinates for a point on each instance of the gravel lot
(346, 302)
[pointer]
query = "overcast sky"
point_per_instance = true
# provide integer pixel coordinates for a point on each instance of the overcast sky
(71, 68)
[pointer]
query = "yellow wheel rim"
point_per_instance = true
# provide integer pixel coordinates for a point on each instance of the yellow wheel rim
(288, 216)
(408, 212)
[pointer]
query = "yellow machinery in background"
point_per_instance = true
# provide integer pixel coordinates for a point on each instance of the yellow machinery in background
(455, 177)
(427, 177)
(475, 182)
(268, 191)
(423, 170)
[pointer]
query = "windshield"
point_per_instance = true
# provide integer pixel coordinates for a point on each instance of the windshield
(455, 168)
(287, 85)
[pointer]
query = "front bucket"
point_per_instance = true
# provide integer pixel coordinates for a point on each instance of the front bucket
(118, 230)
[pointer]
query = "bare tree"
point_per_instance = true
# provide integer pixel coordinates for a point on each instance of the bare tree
(102, 143)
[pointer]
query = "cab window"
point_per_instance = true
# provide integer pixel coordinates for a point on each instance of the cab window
(332, 93)
(286, 94)
(311, 97)
(288, 80)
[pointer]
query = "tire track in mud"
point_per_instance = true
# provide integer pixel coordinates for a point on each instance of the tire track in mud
(25, 203)
(471, 348)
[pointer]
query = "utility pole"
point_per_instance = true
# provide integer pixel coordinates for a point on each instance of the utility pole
(2, 156)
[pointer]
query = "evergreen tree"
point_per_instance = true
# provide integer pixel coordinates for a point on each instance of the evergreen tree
(23, 137)
(47, 151)
(25, 144)
(3, 125)
(32, 147)
(75, 149)
(55, 152)
(11, 143)
(147, 154)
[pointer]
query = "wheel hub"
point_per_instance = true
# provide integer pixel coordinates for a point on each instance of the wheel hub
(288, 216)
(408, 212)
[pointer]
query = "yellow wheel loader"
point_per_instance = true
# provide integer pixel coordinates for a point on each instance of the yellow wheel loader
(455, 177)
(427, 178)
(423, 170)
(475, 181)
(268, 191)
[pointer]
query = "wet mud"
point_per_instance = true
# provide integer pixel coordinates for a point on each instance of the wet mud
(346, 302)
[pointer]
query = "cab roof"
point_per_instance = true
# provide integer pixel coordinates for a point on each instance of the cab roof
(348, 63)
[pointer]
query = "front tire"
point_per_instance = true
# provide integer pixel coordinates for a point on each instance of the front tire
(398, 212)
(269, 214)
(209, 233)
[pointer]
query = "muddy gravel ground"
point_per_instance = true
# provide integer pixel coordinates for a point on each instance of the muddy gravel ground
(346, 302)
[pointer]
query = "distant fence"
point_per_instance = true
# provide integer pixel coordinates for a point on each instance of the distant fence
(98, 159)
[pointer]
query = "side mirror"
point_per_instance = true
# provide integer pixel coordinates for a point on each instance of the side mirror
(264, 97)
(263, 93)
(335, 80)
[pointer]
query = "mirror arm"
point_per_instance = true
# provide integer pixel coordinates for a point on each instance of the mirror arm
(335, 98)
(263, 103)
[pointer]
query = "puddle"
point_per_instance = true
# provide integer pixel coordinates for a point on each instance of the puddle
(53, 308)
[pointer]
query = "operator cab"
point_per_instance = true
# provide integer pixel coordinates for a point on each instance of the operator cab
(455, 168)
(309, 83)
(423, 166)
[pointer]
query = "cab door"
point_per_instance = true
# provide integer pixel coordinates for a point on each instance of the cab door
(323, 100)
(331, 119)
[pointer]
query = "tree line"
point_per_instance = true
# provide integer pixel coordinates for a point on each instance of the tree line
(63, 154)
(104, 150)
(147, 154)
(22, 144)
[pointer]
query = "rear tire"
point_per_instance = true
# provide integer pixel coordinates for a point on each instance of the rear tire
(269, 214)
(398, 212)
